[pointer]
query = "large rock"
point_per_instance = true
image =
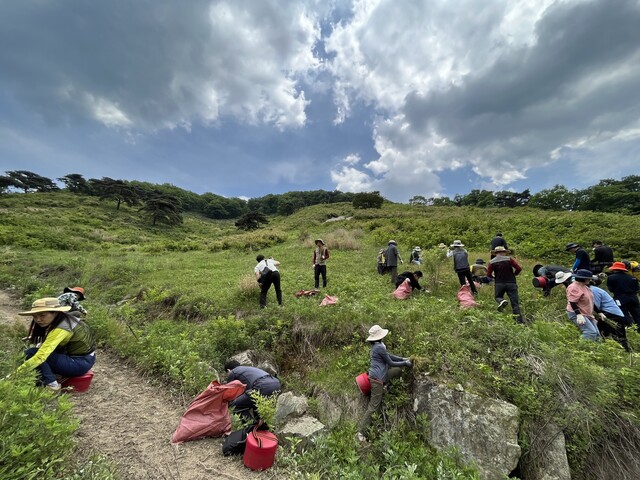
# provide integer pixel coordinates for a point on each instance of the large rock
(485, 431)
(304, 428)
(547, 456)
(289, 406)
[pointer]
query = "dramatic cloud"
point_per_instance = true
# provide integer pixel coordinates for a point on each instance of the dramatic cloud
(496, 87)
(150, 64)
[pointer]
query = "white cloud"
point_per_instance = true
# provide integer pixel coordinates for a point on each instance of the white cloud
(348, 179)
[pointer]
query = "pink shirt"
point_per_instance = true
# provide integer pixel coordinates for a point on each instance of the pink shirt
(580, 294)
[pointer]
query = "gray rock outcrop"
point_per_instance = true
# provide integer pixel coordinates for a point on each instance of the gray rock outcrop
(485, 431)
(251, 358)
(304, 428)
(290, 406)
(547, 456)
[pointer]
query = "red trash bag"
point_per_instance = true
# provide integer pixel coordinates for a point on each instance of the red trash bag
(208, 414)
(403, 291)
(328, 300)
(465, 297)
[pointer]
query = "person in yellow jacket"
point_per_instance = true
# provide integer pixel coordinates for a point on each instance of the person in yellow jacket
(65, 345)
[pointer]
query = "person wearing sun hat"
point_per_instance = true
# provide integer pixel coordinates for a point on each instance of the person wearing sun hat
(504, 269)
(65, 345)
(72, 296)
(580, 302)
(393, 257)
(624, 288)
(461, 264)
(383, 367)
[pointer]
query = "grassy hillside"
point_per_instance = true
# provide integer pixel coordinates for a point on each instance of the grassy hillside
(179, 300)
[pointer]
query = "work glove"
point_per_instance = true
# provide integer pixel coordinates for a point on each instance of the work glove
(581, 319)
(408, 363)
(402, 262)
(602, 316)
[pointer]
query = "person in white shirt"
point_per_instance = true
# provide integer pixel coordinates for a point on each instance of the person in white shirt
(267, 274)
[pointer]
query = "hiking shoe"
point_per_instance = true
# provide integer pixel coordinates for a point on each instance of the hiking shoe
(55, 386)
(501, 305)
(361, 438)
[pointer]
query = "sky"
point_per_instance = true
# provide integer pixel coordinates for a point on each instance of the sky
(244, 98)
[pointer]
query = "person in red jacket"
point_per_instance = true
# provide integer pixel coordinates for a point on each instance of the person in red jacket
(503, 269)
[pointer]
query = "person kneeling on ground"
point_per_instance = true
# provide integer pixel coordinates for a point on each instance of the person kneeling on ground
(549, 273)
(255, 380)
(580, 302)
(383, 367)
(407, 282)
(65, 345)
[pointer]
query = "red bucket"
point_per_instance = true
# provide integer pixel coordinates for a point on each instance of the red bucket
(540, 282)
(363, 383)
(260, 450)
(77, 384)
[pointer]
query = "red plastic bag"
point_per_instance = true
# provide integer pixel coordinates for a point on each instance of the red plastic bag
(328, 300)
(465, 297)
(208, 414)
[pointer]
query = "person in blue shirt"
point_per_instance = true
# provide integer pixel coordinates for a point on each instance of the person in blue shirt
(383, 367)
(582, 261)
(255, 380)
(606, 309)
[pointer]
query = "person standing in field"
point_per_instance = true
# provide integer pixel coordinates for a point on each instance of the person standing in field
(504, 270)
(498, 241)
(582, 261)
(393, 257)
(320, 256)
(602, 256)
(267, 274)
(461, 264)
(383, 367)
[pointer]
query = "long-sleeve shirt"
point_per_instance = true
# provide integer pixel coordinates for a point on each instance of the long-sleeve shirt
(249, 376)
(71, 299)
(582, 261)
(603, 302)
(622, 285)
(503, 269)
(392, 256)
(579, 294)
(412, 280)
(381, 360)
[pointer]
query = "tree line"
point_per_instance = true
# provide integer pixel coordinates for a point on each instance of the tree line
(165, 203)
(609, 195)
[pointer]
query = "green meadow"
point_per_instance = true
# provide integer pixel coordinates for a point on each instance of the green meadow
(177, 301)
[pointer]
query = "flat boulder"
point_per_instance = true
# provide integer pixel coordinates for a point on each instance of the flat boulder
(251, 358)
(304, 428)
(484, 430)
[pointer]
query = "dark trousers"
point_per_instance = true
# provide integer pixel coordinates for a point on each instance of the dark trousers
(317, 271)
(377, 391)
(464, 276)
(394, 273)
(616, 331)
(272, 278)
(60, 364)
(244, 405)
(511, 289)
(630, 306)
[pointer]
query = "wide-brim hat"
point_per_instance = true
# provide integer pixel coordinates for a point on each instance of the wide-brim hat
(480, 261)
(562, 277)
(417, 249)
(457, 243)
(536, 269)
(583, 274)
(618, 266)
(377, 333)
(79, 290)
(571, 245)
(49, 304)
(500, 249)
(392, 241)
(318, 240)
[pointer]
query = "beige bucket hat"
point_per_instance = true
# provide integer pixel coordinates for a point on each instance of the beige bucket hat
(48, 304)
(377, 333)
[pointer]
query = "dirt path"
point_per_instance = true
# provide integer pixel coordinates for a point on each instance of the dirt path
(131, 421)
